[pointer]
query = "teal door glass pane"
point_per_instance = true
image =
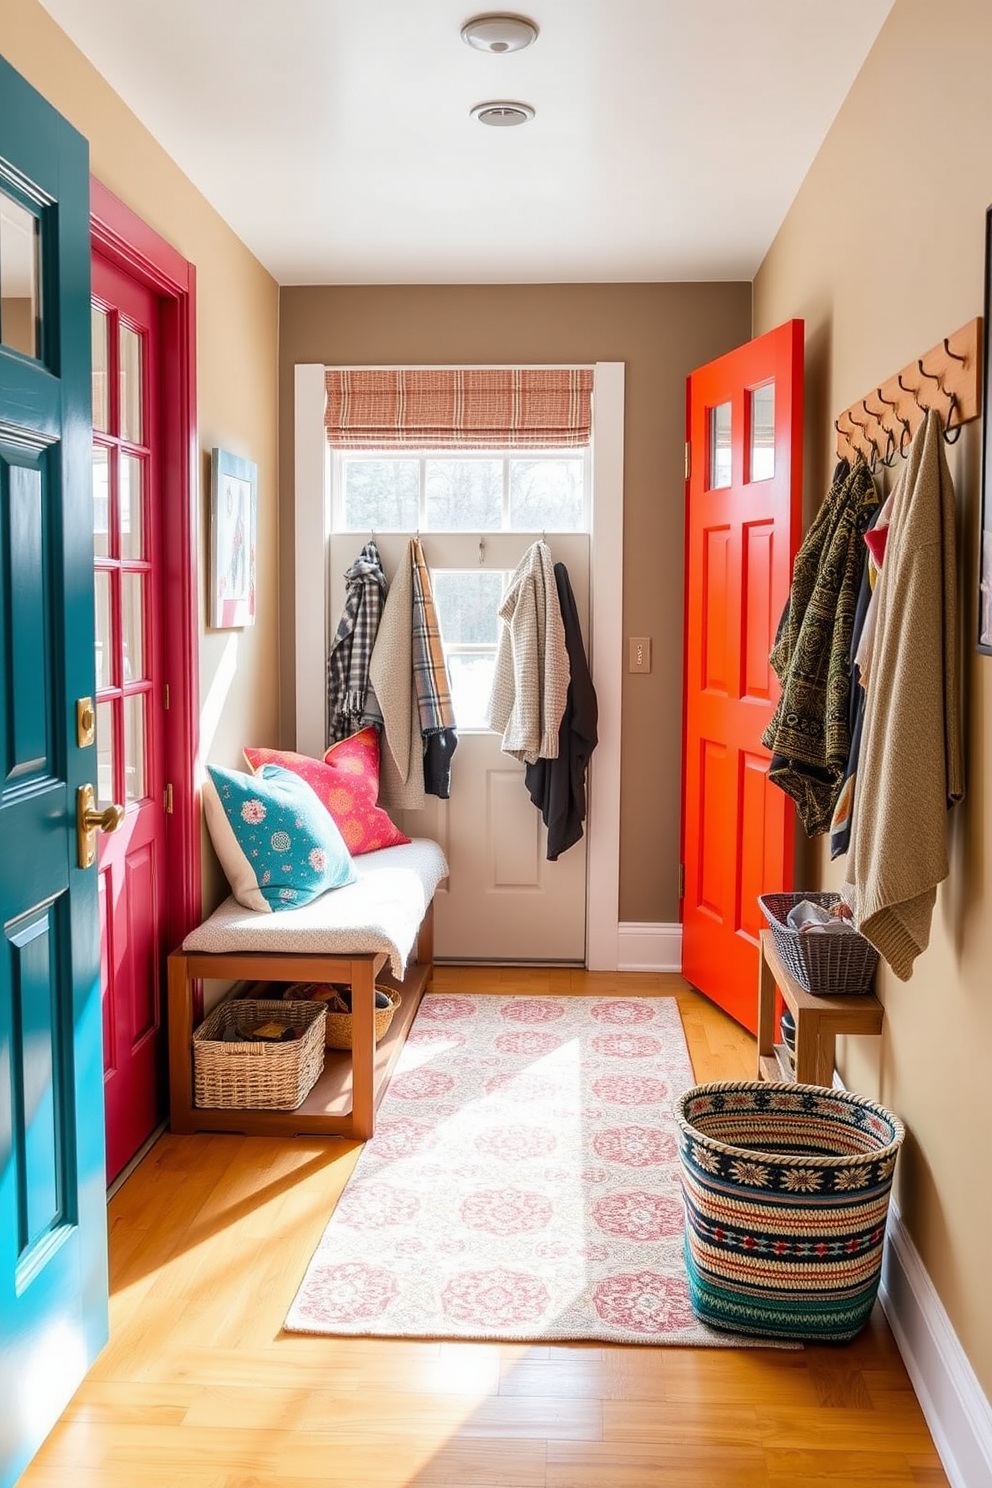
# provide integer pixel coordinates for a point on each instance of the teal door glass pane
(20, 310)
(105, 731)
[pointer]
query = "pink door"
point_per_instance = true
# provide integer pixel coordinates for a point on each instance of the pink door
(744, 506)
(130, 702)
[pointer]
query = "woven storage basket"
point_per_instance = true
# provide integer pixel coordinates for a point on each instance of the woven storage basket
(337, 1029)
(786, 1193)
(270, 1076)
(826, 965)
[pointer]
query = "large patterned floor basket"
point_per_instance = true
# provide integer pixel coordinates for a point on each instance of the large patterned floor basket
(786, 1193)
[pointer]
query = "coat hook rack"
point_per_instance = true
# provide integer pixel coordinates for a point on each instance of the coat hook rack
(947, 378)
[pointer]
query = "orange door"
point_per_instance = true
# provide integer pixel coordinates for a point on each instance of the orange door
(744, 507)
(130, 717)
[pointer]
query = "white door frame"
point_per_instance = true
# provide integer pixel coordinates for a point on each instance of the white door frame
(312, 518)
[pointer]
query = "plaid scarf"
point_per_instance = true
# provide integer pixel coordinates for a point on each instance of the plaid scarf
(350, 702)
(430, 672)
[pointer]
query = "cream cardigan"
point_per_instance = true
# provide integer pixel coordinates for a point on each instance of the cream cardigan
(910, 769)
(532, 672)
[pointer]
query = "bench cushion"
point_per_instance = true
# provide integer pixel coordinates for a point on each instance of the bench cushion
(380, 911)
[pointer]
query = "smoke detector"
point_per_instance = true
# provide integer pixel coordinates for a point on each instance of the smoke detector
(499, 33)
(502, 115)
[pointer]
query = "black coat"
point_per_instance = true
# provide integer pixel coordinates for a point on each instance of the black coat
(558, 787)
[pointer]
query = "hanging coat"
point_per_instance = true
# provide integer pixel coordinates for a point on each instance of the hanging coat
(401, 778)
(349, 706)
(531, 678)
(558, 787)
(809, 734)
(430, 680)
(911, 766)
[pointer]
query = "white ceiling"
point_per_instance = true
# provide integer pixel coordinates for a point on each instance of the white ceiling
(334, 136)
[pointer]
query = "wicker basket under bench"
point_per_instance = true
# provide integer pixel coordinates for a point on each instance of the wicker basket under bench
(361, 1073)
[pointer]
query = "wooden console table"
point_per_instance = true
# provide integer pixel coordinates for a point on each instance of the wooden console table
(818, 1022)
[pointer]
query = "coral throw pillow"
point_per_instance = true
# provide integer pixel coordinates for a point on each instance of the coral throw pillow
(277, 846)
(347, 782)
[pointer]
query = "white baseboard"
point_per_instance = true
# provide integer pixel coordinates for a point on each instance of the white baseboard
(647, 947)
(956, 1410)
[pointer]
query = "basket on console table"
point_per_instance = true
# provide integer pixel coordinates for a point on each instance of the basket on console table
(337, 1029)
(253, 1075)
(827, 965)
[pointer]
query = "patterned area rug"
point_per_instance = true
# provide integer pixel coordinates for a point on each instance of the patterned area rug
(522, 1183)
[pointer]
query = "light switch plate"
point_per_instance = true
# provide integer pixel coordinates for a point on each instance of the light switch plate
(640, 654)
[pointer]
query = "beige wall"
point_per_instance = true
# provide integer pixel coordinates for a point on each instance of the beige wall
(237, 329)
(882, 253)
(660, 332)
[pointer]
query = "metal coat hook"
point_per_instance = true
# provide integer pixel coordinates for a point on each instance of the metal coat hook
(912, 390)
(931, 376)
(952, 432)
(956, 355)
(482, 550)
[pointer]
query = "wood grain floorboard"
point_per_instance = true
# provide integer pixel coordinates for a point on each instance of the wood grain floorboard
(200, 1388)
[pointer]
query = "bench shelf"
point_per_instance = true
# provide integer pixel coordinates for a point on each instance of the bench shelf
(346, 1096)
(818, 1021)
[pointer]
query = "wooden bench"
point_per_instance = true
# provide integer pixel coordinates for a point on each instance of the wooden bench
(379, 929)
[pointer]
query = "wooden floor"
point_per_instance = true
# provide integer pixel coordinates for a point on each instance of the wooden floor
(198, 1388)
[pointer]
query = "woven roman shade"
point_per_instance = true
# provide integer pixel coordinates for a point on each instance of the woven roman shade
(459, 408)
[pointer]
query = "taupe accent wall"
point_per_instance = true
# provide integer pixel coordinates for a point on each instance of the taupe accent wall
(882, 255)
(237, 321)
(660, 332)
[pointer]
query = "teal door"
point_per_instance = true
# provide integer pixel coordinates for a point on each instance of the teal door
(53, 1215)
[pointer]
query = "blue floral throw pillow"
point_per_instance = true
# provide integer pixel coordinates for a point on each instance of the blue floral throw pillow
(277, 844)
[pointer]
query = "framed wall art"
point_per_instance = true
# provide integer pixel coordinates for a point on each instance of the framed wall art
(233, 497)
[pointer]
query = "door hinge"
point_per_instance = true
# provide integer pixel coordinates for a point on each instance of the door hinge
(681, 880)
(167, 800)
(688, 459)
(165, 697)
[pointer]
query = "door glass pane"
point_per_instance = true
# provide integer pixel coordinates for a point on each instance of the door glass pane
(104, 634)
(130, 384)
(762, 456)
(380, 495)
(467, 604)
(719, 447)
(133, 618)
(101, 501)
(19, 278)
(134, 747)
(471, 676)
(546, 495)
(464, 495)
(104, 753)
(101, 368)
(132, 507)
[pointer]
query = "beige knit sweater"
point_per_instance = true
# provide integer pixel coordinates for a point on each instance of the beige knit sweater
(910, 768)
(530, 686)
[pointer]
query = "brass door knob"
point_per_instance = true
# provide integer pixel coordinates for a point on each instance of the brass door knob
(89, 821)
(104, 821)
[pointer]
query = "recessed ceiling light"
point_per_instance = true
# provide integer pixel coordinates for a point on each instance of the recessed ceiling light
(499, 33)
(502, 115)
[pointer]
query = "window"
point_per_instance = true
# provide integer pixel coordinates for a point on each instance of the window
(475, 491)
(463, 492)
